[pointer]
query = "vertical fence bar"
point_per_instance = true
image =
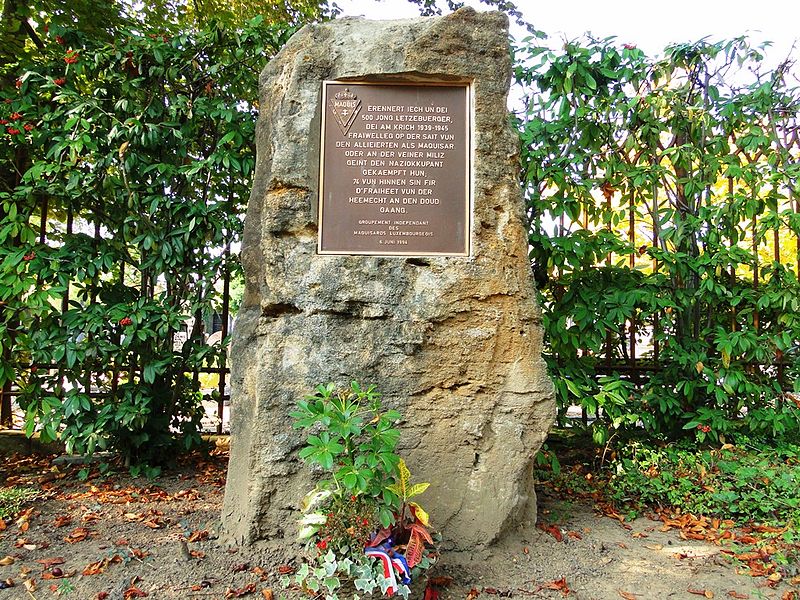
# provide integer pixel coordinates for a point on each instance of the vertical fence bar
(632, 263)
(755, 269)
(657, 313)
(6, 419)
(226, 305)
(65, 300)
(92, 298)
(43, 222)
(732, 275)
(607, 358)
(776, 240)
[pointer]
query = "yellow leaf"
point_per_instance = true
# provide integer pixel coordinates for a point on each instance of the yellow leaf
(420, 514)
(404, 477)
(416, 489)
(395, 489)
(699, 366)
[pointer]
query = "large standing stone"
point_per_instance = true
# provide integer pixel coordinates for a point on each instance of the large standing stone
(453, 343)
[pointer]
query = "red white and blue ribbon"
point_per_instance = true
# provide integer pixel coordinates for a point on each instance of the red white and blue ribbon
(394, 567)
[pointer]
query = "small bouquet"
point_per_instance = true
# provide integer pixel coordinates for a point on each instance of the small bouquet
(360, 525)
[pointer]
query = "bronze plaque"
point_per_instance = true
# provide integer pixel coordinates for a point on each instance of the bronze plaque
(395, 169)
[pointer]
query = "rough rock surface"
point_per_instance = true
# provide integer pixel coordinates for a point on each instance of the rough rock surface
(453, 343)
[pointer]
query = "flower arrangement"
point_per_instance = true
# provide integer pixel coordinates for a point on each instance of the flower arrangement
(359, 524)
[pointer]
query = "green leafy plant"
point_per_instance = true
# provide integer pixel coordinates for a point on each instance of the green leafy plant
(359, 524)
(14, 498)
(748, 482)
(662, 197)
(137, 151)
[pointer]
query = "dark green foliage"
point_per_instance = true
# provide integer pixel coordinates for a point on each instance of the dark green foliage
(657, 189)
(140, 154)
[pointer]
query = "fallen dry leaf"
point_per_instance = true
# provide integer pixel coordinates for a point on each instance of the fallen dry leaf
(102, 596)
(473, 593)
(98, 567)
(552, 530)
(134, 592)
(431, 593)
(94, 568)
(140, 554)
(706, 593)
(77, 535)
(62, 521)
(655, 547)
(8, 560)
(559, 585)
(286, 569)
(198, 536)
(626, 595)
(90, 517)
(734, 594)
(250, 588)
(49, 563)
(267, 593)
(30, 585)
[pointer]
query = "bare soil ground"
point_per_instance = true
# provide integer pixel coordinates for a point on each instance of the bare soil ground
(120, 538)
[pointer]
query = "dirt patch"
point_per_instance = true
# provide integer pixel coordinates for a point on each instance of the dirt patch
(129, 537)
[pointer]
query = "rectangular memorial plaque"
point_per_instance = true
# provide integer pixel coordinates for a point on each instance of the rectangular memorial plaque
(395, 167)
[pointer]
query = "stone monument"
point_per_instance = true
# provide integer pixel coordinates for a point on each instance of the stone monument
(385, 242)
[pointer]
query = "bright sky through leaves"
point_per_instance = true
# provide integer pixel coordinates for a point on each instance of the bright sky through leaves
(649, 26)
